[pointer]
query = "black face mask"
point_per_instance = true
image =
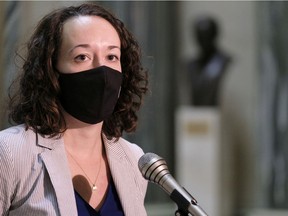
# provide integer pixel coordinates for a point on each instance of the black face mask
(90, 96)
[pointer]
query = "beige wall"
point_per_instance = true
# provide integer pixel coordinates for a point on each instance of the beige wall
(33, 11)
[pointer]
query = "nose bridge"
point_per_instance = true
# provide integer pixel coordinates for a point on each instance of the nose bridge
(97, 61)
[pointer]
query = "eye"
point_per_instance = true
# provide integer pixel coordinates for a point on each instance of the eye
(81, 58)
(113, 57)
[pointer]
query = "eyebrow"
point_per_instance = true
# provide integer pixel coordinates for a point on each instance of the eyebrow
(80, 45)
(113, 47)
(110, 47)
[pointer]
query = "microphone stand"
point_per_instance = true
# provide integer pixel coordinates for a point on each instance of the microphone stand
(184, 208)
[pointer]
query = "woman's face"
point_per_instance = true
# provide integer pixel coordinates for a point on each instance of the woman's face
(88, 42)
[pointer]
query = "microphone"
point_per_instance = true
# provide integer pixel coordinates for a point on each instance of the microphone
(154, 169)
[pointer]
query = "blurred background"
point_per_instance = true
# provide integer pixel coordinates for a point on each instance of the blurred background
(232, 156)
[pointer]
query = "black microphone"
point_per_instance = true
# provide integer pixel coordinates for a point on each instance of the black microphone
(154, 169)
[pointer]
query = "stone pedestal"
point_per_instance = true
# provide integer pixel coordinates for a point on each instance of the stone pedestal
(198, 155)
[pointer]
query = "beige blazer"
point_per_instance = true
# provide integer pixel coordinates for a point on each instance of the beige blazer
(35, 177)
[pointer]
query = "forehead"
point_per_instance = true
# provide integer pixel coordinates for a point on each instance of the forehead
(86, 27)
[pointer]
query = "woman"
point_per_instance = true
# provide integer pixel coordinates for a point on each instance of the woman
(81, 86)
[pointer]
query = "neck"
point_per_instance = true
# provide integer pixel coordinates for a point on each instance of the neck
(83, 139)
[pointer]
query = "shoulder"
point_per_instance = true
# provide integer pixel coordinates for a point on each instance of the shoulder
(17, 142)
(18, 146)
(14, 133)
(11, 138)
(122, 148)
(17, 139)
(131, 147)
(12, 130)
(132, 152)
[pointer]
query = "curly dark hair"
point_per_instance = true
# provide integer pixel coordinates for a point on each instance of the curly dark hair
(36, 101)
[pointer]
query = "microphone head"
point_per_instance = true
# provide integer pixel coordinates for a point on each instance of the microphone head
(153, 167)
(146, 159)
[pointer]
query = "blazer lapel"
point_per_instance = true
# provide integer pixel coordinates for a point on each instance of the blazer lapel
(123, 178)
(54, 158)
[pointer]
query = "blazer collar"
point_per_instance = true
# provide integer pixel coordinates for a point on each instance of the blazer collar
(54, 158)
